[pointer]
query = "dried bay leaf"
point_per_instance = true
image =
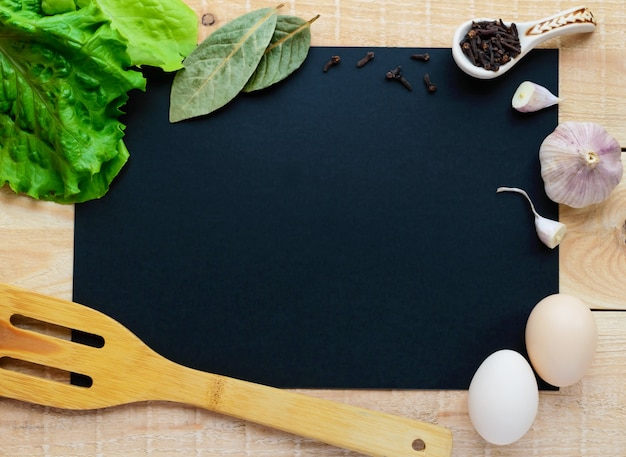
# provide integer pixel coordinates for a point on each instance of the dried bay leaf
(286, 52)
(218, 69)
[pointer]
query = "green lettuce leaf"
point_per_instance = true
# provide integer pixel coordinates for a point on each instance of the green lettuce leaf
(160, 33)
(51, 7)
(64, 80)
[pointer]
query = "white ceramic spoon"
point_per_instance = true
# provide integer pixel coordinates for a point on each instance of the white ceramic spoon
(531, 34)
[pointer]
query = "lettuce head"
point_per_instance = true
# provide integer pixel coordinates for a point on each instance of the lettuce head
(64, 79)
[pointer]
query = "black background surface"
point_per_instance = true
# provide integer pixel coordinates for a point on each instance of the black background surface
(333, 231)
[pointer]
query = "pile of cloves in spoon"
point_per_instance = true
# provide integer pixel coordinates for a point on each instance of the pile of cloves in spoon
(490, 44)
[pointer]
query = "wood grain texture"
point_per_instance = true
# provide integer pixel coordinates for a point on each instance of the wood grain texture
(592, 260)
(587, 419)
(36, 244)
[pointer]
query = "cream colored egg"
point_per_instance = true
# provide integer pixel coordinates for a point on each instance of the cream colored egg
(503, 397)
(561, 339)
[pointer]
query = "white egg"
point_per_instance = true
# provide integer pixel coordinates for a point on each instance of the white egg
(561, 339)
(503, 397)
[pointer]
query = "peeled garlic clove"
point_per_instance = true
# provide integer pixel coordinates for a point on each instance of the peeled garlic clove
(580, 164)
(531, 97)
(550, 232)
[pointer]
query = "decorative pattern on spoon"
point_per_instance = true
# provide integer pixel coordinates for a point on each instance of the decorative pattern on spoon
(581, 16)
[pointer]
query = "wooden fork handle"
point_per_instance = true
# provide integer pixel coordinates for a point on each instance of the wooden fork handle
(365, 431)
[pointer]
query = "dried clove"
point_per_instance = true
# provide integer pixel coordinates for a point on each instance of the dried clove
(491, 44)
(334, 60)
(432, 87)
(405, 82)
(423, 57)
(369, 56)
(396, 75)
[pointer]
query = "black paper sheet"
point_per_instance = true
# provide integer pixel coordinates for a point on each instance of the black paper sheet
(334, 231)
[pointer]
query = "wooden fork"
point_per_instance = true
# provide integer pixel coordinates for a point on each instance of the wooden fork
(124, 370)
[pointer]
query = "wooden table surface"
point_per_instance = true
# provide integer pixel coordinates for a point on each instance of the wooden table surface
(587, 419)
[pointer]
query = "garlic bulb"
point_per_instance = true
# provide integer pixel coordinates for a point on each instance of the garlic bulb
(531, 97)
(550, 232)
(580, 164)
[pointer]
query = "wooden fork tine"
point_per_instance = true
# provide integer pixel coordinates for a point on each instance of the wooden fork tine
(46, 392)
(51, 310)
(46, 350)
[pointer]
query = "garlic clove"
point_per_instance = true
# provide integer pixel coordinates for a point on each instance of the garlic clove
(530, 97)
(581, 164)
(549, 231)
